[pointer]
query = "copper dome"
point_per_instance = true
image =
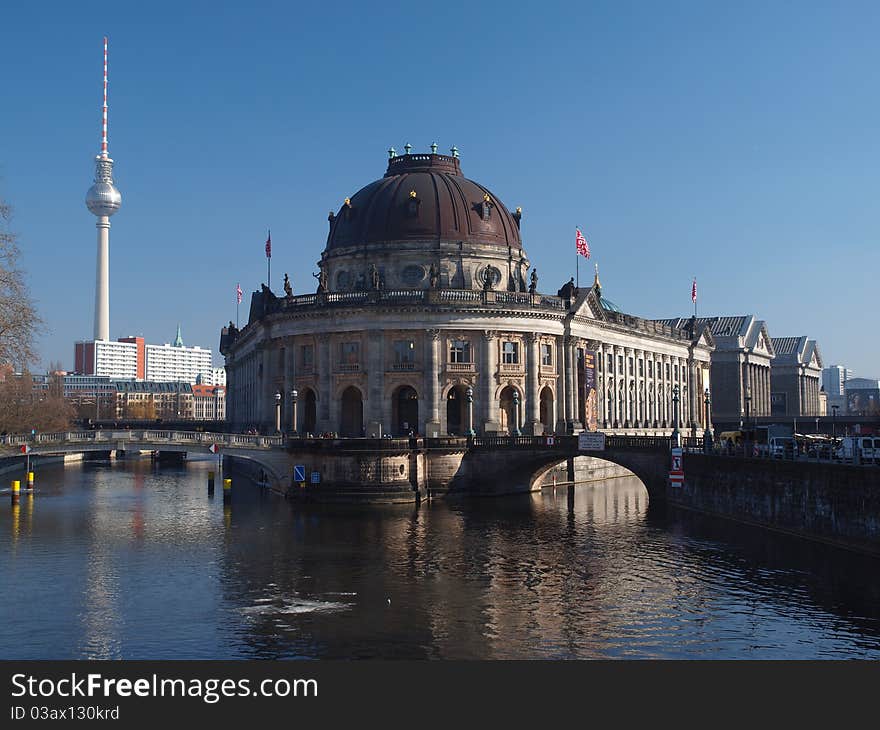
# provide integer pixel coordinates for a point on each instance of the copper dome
(423, 197)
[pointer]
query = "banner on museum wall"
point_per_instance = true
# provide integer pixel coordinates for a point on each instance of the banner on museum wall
(591, 401)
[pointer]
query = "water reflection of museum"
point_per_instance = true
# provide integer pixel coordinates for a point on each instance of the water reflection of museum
(427, 318)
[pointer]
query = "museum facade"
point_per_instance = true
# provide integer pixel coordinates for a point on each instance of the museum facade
(428, 319)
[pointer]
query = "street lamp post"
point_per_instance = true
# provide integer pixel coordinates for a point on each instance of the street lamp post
(707, 434)
(834, 420)
(294, 396)
(748, 405)
(277, 411)
(516, 431)
(676, 436)
(469, 397)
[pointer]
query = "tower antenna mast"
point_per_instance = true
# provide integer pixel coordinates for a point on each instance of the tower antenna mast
(104, 152)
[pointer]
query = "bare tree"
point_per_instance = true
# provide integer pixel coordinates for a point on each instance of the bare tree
(19, 321)
(24, 407)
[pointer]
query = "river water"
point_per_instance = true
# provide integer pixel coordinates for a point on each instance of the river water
(135, 561)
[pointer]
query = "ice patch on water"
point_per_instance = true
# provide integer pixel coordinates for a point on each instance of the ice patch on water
(290, 605)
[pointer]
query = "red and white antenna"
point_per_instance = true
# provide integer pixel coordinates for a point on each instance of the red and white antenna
(104, 108)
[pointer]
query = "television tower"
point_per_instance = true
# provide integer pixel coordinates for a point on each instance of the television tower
(103, 200)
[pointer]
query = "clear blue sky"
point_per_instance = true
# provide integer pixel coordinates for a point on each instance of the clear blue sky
(734, 142)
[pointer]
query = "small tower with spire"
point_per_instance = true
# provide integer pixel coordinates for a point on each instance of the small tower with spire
(178, 340)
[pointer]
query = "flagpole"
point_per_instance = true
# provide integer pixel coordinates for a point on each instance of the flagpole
(269, 261)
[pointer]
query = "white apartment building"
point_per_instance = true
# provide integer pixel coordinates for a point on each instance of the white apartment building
(169, 363)
(109, 359)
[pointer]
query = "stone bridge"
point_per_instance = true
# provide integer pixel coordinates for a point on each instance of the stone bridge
(266, 451)
(385, 470)
(500, 464)
(822, 501)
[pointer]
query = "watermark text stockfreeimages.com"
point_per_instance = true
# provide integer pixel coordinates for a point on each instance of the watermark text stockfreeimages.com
(209, 690)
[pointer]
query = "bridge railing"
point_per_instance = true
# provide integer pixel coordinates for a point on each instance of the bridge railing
(637, 442)
(143, 436)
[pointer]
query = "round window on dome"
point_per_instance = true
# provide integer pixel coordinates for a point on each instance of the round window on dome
(493, 272)
(412, 275)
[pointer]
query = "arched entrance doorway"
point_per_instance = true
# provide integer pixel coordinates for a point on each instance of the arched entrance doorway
(508, 412)
(310, 411)
(352, 419)
(456, 411)
(547, 408)
(405, 411)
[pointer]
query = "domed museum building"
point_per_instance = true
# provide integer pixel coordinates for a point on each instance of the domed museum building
(428, 319)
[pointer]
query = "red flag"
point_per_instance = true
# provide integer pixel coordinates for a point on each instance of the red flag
(694, 291)
(269, 246)
(583, 248)
(238, 292)
(25, 449)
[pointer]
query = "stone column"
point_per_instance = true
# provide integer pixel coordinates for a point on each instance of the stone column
(286, 404)
(377, 421)
(561, 412)
(571, 382)
(325, 396)
(431, 371)
(267, 402)
(667, 391)
(488, 372)
(617, 415)
(638, 415)
(600, 386)
(533, 424)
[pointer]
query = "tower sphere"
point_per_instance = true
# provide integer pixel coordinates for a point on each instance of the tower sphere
(103, 199)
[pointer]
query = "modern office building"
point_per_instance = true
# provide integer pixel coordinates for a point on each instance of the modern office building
(124, 358)
(834, 380)
(132, 358)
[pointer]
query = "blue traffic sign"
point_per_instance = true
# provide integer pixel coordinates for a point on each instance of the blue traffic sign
(299, 473)
(316, 477)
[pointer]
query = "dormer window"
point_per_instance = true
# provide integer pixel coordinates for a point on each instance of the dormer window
(486, 207)
(413, 204)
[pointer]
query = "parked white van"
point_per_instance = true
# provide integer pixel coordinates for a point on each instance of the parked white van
(781, 447)
(869, 446)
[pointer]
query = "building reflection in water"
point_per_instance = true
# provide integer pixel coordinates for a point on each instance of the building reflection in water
(486, 578)
(128, 562)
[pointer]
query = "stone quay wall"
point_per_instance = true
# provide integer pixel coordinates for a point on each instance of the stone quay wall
(833, 503)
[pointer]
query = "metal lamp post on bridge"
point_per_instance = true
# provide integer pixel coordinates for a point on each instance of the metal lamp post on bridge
(748, 400)
(277, 411)
(676, 436)
(707, 434)
(834, 420)
(294, 396)
(469, 397)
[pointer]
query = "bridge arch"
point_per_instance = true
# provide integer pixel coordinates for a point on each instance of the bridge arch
(520, 468)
